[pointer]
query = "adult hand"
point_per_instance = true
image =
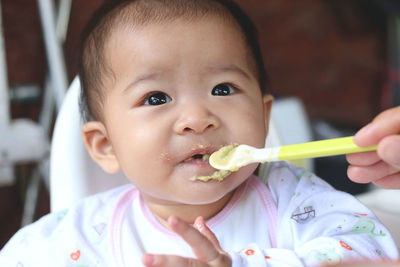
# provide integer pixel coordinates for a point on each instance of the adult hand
(381, 167)
(202, 241)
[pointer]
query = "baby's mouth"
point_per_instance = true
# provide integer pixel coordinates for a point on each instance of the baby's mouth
(198, 157)
(201, 158)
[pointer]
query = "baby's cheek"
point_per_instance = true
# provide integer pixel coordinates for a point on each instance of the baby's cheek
(165, 157)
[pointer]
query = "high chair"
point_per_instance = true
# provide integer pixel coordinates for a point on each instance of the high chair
(73, 174)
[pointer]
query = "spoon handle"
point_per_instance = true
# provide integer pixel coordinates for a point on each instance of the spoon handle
(323, 148)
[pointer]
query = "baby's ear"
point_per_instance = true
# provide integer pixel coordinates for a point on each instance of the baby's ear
(267, 100)
(99, 146)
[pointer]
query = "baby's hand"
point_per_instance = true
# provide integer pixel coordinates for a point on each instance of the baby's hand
(381, 167)
(203, 242)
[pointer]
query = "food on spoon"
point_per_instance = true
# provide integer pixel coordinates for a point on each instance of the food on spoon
(223, 159)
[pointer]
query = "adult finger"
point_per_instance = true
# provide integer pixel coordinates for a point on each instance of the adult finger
(366, 174)
(363, 158)
(389, 150)
(386, 123)
(202, 247)
(389, 182)
(151, 260)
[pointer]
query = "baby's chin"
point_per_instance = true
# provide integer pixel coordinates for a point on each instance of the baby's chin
(209, 198)
(229, 183)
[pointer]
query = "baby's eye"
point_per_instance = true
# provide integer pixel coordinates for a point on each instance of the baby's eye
(158, 98)
(223, 89)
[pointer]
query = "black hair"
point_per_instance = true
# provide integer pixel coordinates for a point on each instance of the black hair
(114, 13)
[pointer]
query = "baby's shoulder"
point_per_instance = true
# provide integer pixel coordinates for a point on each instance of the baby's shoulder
(88, 211)
(290, 175)
(67, 236)
(286, 180)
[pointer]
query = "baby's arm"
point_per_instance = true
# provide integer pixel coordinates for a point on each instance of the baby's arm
(202, 241)
(322, 225)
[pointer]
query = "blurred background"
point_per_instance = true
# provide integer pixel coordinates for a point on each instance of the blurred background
(339, 57)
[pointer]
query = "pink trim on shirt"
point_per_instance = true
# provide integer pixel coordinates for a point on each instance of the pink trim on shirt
(127, 197)
(152, 219)
(269, 205)
(210, 223)
(237, 196)
(255, 183)
(116, 223)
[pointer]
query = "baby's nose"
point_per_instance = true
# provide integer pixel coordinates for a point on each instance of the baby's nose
(195, 118)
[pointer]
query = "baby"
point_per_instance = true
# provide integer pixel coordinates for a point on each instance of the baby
(165, 83)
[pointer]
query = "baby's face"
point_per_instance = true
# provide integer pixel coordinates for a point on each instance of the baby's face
(181, 90)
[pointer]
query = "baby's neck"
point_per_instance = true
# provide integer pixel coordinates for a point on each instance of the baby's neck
(187, 213)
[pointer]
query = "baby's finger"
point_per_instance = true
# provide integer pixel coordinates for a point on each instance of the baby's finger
(389, 182)
(150, 260)
(202, 247)
(366, 174)
(200, 225)
(363, 159)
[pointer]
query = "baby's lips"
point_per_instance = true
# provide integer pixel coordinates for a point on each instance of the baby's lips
(199, 151)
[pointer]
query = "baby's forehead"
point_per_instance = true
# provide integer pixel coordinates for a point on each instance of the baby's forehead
(137, 15)
(136, 26)
(169, 38)
(130, 32)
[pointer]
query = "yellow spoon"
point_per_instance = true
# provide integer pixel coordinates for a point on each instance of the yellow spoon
(233, 157)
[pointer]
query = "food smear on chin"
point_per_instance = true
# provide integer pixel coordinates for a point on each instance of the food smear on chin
(217, 176)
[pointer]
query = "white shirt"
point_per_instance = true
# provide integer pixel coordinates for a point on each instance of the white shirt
(297, 220)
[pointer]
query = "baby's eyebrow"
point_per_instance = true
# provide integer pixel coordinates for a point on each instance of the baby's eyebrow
(216, 69)
(228, 68)
(151, 75)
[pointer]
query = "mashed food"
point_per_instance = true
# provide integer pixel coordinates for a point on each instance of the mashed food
(218, 176)
(220, 158)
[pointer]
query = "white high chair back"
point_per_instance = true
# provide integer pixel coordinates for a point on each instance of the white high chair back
(74, 175)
